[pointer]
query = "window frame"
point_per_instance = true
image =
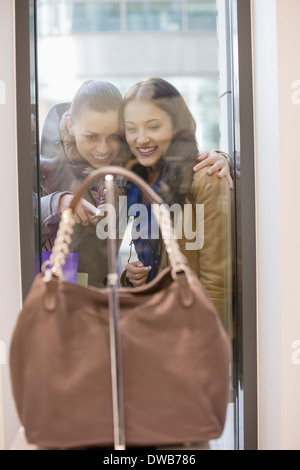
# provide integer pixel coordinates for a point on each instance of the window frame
(244, 179)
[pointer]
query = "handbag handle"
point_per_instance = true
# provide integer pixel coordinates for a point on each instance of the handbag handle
(53, 266)
(114, 170)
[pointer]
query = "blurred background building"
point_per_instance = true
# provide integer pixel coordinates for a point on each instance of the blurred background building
(124, 41)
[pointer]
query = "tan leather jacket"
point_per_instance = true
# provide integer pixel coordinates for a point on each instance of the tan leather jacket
(212, 262)
(211, 221)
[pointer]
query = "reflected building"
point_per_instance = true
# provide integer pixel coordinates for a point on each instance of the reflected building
(124, 41)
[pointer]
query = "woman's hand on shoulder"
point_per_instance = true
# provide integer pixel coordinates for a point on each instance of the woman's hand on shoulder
(216, 162)
(137, 273)
(84, 210)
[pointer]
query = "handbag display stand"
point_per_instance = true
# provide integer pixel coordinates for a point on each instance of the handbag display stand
(119, 367)
(115, 346)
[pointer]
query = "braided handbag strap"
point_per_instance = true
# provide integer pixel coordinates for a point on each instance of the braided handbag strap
(53, 266)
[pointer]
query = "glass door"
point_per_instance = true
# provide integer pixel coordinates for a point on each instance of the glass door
(191, 46)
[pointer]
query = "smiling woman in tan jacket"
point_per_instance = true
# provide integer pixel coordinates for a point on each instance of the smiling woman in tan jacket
(160, 132)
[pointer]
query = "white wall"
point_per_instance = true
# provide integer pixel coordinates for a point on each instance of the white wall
(277, 127)
(10, 282)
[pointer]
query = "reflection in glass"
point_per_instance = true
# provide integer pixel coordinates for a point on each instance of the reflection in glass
(93, 17)
(201, 15)
(78, 17)
(154, 16)
(127, 41)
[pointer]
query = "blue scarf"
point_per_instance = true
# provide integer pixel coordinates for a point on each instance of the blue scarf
(147, 249)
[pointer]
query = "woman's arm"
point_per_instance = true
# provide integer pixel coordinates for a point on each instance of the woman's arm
(52, 205)
(218, 161)
(50, 213)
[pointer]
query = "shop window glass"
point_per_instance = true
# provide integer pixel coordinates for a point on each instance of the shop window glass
(91, 17)
(201, 15)
(154, 16)
(71, 52)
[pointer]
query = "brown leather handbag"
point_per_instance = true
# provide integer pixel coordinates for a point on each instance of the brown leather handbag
(116, 367)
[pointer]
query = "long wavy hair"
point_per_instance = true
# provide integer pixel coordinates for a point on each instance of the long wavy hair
(176, 165)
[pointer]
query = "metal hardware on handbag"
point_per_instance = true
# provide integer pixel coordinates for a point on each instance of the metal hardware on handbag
(174, 351)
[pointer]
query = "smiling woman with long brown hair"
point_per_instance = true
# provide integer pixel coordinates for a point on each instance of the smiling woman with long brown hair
(161, 135)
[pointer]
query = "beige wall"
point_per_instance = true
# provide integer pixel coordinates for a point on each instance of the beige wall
(288, 20)
(277, 126)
